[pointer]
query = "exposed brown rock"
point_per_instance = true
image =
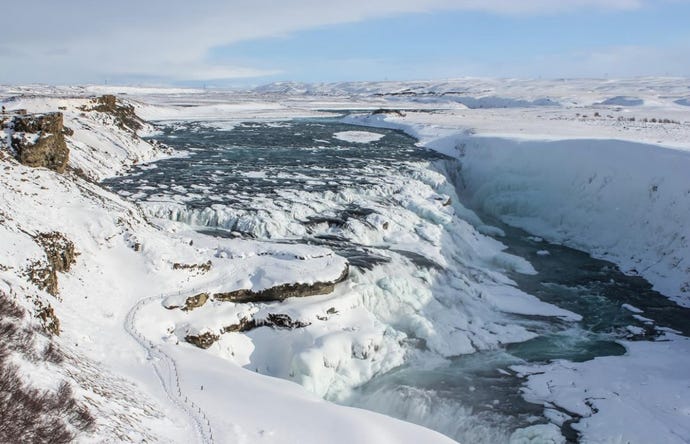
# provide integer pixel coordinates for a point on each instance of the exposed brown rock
(60, 256)
(49, 149)
(195, 301)
(245, 324)
(205, 267)
(50, 321)
(204, 340)
(281, 292)
(59, 250)
(43, 275)
(124, 114)
(273, 320)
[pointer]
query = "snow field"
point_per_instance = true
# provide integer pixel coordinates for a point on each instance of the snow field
(519, 166)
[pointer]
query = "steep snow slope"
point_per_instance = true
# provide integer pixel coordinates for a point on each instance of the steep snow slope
(123, 259)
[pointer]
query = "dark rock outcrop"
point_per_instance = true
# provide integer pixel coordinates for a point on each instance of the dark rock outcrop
(39, 141)
(59, 250)
(396, 112)
(273, 320)
(281, 292)
(190, 303)
(203, 340)
(204, 268)
(245, 324)
(278, 320)
(60, 256)
(50, 321)
(124, 114)
(195, 301)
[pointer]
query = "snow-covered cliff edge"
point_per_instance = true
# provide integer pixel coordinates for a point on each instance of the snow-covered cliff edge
(624, 201)
(118, 259)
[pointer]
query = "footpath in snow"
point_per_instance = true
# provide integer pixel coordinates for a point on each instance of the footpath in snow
(106, 310)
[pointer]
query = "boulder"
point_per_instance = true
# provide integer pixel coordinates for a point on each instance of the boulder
(195, 301)
(203, 340)
(50, 321)
(60, 256)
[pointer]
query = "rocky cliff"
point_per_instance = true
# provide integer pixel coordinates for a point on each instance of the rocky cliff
(282, 292)
(39, 140)
(123, 113)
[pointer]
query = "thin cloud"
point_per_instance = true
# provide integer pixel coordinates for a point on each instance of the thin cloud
(86, 40)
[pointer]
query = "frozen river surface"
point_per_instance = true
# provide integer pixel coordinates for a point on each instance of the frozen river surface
(323, 182)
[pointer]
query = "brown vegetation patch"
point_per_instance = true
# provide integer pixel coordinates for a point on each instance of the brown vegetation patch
(29, 414)
(204, 268)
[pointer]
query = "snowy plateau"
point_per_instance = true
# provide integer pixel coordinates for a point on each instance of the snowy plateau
(475, 260)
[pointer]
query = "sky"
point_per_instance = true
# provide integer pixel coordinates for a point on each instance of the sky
(243, 42)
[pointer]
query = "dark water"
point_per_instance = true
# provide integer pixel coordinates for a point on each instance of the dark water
(473, 395)
(473, 398)
(289, 155)
(595, 289)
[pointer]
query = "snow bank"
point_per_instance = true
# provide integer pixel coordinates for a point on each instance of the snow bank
(641, 397)
(622, 201)
(357, 136)
(246, 407)
(625, 202)
(229, 111)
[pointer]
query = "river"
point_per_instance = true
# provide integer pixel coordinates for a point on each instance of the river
(315, 181)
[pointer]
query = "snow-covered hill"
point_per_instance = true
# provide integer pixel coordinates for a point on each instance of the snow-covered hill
(120, 259)
(600, 165)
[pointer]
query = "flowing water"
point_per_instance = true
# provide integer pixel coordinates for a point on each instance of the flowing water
(293, 181)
